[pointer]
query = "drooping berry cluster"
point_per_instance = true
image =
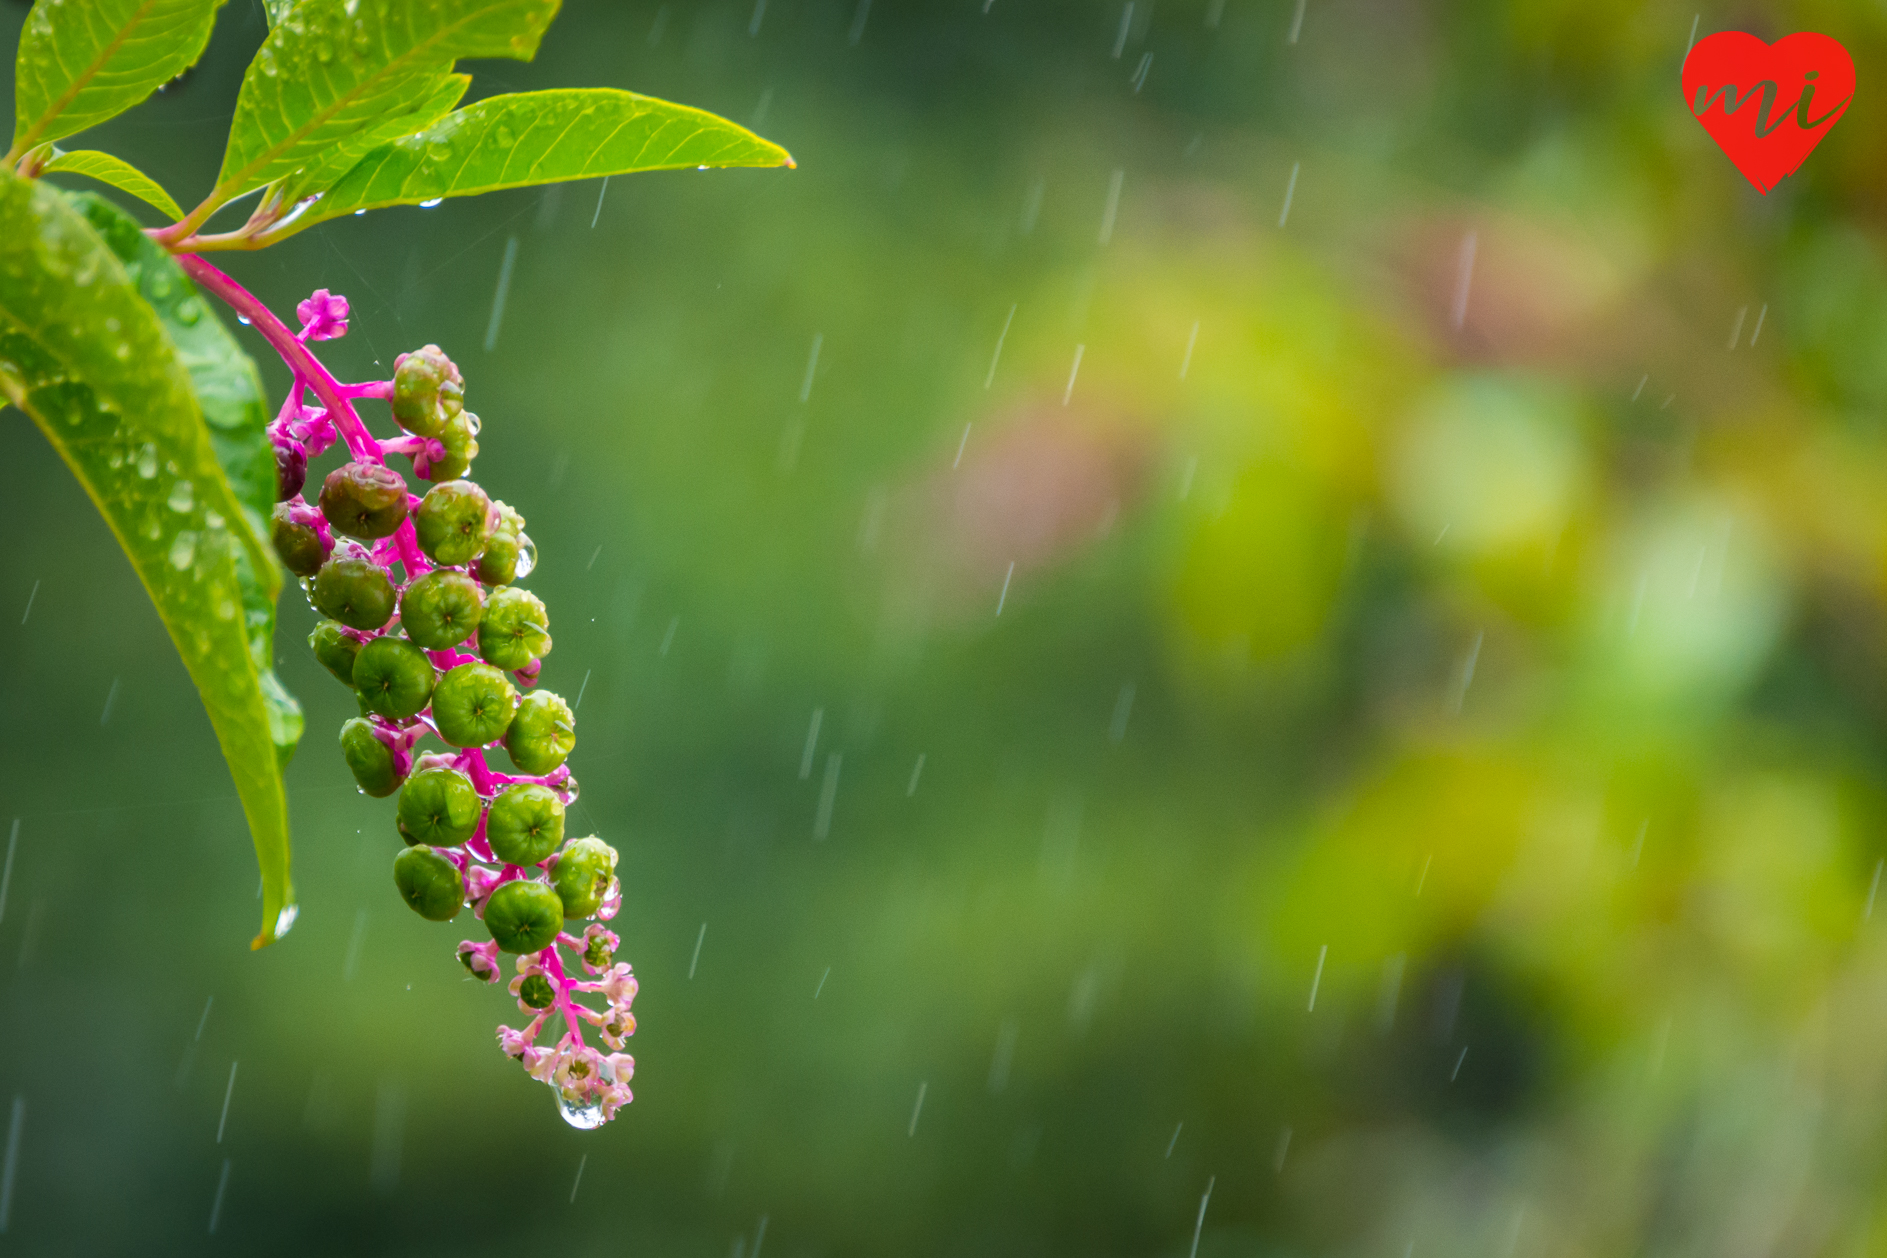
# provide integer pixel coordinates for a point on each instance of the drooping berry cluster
(425, 624)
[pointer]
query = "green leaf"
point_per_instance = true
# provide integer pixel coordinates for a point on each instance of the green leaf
(229, 390)
(277, 9)
(85, 355)
(117, 172)
(533, 138)
(332, 69)
(83, 61)
(337, 161)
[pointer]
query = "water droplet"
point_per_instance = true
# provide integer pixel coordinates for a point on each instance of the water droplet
(582, 1117)
(358, 213)
(183, 496)
(147, 461)
(323, 51)
(427, 205)
(527, 556)
(188, 311)
(504, 135)
(183, 551)
(243, 319)
(285, 919)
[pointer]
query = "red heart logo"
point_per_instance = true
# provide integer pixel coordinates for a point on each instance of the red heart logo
(1768, 105)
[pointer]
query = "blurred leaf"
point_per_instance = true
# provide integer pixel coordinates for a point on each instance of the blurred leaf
(325, 169)
(90, 361)
(331, 70)
(117, 172)
(277, 9)
(81, 63)
(540, 137)
(229, 389)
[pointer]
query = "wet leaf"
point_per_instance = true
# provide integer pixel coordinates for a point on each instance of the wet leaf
(91, 362)
(117, 172)
(229, 391)
(331, 70)
(83, 61)
(539, 137)
(336, 161)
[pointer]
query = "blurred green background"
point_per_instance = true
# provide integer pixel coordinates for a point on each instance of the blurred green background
(1371, 705)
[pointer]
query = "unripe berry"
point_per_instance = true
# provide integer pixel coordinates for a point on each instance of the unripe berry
(441, 609)
(583, 875)
(394, 678)
(460, 438)
(542, 733)
(372, 762)
(427, 391)
(524, 916)
(291, 470)
(335, 651)
(355, 592)
(499, 564)
(537, 992)
(525, 823)
(472, 705)
(511, 633)
(364, 500)
(430, 884)
(453, 522)
(299, 545)
(438, 806)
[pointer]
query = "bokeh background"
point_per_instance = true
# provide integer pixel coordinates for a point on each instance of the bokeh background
(1214, 596)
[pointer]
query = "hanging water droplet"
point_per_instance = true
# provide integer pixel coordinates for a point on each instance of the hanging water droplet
(358, 213)
(582, 1117)
(183, 496)
(243, 319)
(183, 551)
(147, 461)
(286, 919)
(527, 556)
(427, 205)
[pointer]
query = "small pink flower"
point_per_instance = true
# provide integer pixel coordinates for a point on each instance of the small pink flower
(323, 316)
(516, 1043)
(540, 1063)
(619, 985)
(480, 959)
(478, 883)
(622, 1067)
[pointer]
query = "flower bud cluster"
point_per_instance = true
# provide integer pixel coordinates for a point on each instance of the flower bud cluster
(423, 621)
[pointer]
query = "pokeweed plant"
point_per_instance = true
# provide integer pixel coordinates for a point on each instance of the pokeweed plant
(107, 343)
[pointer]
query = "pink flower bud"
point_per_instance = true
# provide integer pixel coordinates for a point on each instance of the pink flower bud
(323, 316)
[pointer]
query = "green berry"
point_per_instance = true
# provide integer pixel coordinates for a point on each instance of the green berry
(542, 733)
(299, 545)
(596, 954)
(441, 609)
(430, 884)
(355, 592)
(537, 992)
(472, 705)
(394, 678)
(583, 874)
(427, 391)
(525, 823)
(524, 916)
(364, 500)
(371, 760)
(460, 438)
(499, 564)
(335, 650)
(438, 806)
(511, 633)
(453, 522)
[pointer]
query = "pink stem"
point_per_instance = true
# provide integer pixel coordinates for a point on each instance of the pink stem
(360, 442)
(552, 961)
